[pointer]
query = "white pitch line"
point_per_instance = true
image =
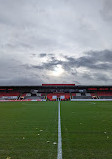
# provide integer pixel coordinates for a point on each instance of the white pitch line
(59, 155)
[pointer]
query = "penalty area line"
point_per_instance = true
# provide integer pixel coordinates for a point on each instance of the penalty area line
(59, 155)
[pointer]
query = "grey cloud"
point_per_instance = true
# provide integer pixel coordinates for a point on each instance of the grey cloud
(31, 30)
(102, 77)
(106, 11)
(38, 67)
(94, 61)
(46, 54)
(42, 54)
(21, 81)
(33, 54)
(99, 60)
(48, 65)
(43, 25)
(96, 78)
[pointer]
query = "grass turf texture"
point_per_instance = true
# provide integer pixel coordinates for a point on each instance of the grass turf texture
(28, 130)
(86, 130)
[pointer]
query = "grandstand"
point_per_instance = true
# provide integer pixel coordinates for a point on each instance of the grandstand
(54, 92)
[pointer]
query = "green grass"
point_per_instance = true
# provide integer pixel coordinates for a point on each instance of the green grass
(86, 130)
(20, 130)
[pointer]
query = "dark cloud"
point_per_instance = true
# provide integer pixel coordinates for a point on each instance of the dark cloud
(48, 65)
(99, 60)
(95, 62)
(93, 66)
(42, 55)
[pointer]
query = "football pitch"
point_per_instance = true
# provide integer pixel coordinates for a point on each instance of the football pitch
(29, 130)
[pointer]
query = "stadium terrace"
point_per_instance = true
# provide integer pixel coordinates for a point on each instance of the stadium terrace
(55, 92)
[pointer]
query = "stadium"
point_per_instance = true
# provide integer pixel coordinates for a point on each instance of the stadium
(55, 79)
(56, 121)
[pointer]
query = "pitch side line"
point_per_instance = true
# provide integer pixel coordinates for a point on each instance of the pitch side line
(59, 155)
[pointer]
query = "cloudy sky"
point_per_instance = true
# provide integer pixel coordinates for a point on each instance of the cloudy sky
(55, 41)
